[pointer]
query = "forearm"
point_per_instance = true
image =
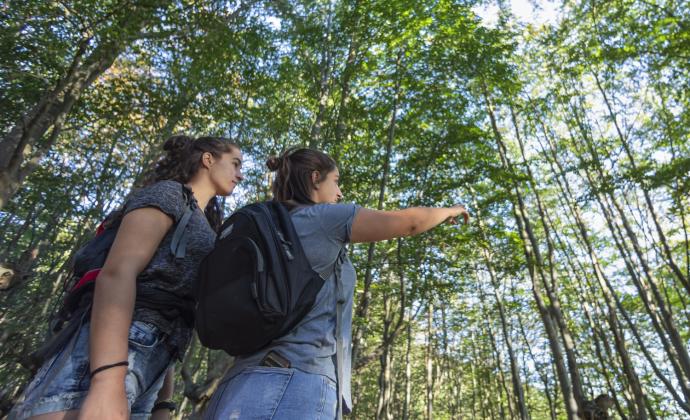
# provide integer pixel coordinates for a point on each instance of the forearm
(376, 225)
(162, 414)
(421, 219)
(138, 237)
(166, 391)
(111, 318)
(165, 394)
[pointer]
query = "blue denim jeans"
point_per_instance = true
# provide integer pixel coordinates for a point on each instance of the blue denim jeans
(263, 393)
(62, 383)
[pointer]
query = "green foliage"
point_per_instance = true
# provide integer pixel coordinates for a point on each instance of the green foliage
(590, 111)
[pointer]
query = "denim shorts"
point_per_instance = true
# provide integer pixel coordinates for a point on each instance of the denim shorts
(62, 383)
(263, 393)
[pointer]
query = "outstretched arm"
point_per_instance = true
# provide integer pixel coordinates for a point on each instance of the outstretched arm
(377, 225)
(137, 239)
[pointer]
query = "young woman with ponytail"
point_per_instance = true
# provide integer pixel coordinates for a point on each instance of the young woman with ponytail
(117, 362)
(295, 376)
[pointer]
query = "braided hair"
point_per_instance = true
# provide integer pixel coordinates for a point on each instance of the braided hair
(182, 161)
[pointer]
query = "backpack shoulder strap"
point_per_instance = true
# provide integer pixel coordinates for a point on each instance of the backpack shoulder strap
(178, 244)
(328, 271)
(339, 347)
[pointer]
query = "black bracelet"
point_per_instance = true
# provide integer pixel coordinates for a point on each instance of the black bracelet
(102, 368)
(166, 404)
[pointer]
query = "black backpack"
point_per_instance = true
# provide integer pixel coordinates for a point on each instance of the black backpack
(257, 283)
(86, 265)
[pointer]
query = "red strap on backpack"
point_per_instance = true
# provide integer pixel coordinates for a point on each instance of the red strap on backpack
(87, 278)
(100, 228)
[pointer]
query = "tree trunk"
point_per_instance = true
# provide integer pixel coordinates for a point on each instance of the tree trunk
(363, 304)
(542, 375)
(498, 361)
(24, 139)
(348, 72)
(430, 361)
(535, 270)
(408, 372)
(383, 410)
(324, 82)
(649, 290)
(670, 260)
(518, 393)
(604, 284)
(199, 392)
(554, 304)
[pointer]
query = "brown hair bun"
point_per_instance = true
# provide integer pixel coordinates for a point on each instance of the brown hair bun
(177, 145)
(273, 163)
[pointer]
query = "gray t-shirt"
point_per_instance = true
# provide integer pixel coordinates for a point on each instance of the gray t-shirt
(166, 276)
(323, 230)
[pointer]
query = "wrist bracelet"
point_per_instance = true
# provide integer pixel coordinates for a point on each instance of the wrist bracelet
(166, 404)
(102, 368)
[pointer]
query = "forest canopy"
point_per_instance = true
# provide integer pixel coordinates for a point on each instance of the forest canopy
(564, 127)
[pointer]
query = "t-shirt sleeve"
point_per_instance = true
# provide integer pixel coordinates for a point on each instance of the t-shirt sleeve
(336, 220)
(166, 196)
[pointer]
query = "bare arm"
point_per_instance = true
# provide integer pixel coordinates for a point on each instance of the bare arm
(165, 393)
(378, 225)
(136, 242)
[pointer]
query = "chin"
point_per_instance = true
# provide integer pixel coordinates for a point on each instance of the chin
(226, 191)
(231, 188)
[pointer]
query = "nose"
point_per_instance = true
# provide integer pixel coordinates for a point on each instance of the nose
(239, 176)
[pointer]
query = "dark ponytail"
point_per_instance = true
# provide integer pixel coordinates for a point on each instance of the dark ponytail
(182, 161)
(293, 183)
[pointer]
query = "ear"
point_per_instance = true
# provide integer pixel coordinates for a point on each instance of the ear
(315, 179)
(207, 160)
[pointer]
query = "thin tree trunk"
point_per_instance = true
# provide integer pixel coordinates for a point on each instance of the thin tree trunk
(514, 369)
(324, 82)
(199, 392)
(643, 289)
(348, 72)
(383, 410)
(604, 284)
(430, 361)
(498, 360)
(535, 264)
(29, 220)
(670, 260)
(555, 306)
(408, 370)
(654, 302)
(363, 304)
(638, 411)
(679, 197)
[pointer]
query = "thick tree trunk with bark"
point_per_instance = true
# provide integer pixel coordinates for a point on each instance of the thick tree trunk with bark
(22, 148)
